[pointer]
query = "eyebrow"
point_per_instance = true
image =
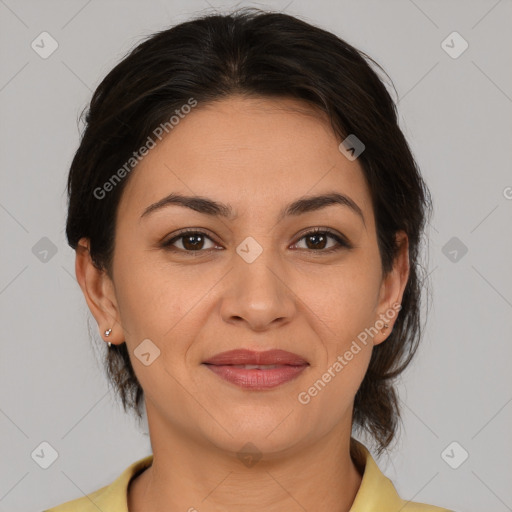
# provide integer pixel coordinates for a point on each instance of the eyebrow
(208, 206)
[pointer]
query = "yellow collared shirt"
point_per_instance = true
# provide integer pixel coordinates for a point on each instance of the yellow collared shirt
(376, 493)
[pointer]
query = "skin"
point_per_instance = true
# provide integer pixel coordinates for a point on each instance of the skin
(258, 155)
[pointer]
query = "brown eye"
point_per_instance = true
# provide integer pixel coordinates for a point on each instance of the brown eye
(190, 241)
(317, 240)
(193, 242)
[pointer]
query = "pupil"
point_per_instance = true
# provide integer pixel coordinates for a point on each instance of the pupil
(317, 236)
(194, 245)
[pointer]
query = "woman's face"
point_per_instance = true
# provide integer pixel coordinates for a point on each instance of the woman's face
(254, 280)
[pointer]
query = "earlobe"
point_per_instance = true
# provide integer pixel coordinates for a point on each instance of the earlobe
(99, 294)
(393, 287)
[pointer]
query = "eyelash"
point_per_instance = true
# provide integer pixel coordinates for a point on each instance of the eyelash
(342, 243)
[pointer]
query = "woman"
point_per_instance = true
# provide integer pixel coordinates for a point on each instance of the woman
(247, 215)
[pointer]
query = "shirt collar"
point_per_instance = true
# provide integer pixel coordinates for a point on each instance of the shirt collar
(376, 492)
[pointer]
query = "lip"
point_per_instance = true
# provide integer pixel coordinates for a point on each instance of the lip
(288, 367)
(244, 356)
(257, 379)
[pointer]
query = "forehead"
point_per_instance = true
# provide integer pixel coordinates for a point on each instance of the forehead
(247, 151)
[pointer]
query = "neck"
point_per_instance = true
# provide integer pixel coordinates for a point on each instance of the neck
(188, 475)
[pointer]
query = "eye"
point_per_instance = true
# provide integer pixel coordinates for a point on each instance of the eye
(194, 241)
(190, 241)
(316, 240)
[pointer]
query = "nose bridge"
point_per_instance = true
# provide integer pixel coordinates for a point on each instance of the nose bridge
(257, 265)
(258, 292)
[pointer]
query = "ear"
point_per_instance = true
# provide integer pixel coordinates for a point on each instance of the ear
(392, 288)
(99, 293)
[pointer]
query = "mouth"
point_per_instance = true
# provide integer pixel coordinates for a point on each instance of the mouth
(257, 370)
(242, 357)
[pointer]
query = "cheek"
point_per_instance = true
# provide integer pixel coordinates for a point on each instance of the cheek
(159, 304)
(166, 304)
(343, 300)
(151, 293)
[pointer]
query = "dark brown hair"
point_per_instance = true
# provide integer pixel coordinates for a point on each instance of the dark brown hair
(262, 54)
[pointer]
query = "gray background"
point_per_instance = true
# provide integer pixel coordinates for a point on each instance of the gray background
(456, 114)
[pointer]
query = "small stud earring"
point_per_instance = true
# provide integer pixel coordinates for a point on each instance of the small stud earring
(107, 333)
(385, 327)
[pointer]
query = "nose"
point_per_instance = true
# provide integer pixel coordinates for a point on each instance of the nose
(258, 293)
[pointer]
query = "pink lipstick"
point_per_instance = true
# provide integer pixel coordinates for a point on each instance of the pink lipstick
(257, 370)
